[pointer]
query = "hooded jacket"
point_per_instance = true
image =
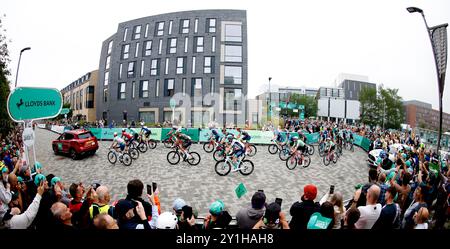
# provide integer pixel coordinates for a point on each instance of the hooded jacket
(247, 217)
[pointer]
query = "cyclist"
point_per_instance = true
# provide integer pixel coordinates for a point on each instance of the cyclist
(145, 132)
(277, 136)
(217, 136)
(330, 145)
(237, 149)
(127, 136)
(298, 145)
(118, 142)
(183, 141)
(245, 139)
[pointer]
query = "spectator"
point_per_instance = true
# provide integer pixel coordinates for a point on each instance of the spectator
(135, 189)
(403, 189)
(371, 211)
(105, 221)
(302, 211)
(273, 218)
(323, 219)
(177, 206)
(15, 220)
(77, 192)
(62, 216)
(419, 202)
(131, 215)
(184, 222)
(351, 217)
(217, 217)
(390, 214)
(339, 210)
(101, 204)
(247, 217)
(383, 187)
(167, 220)
(421, 218)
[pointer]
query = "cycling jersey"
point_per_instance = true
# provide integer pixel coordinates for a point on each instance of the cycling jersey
(238, 148)
(119, 140)
(184, 137)
(246, 137)
(128, 136)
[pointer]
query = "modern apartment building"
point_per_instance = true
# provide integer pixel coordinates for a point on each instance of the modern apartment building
(198, 58)
(422, 115)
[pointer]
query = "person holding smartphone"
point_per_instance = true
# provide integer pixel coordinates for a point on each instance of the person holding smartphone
(247, 218)
(273, 218)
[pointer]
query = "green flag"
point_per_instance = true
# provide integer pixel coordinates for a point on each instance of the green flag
(240, 190)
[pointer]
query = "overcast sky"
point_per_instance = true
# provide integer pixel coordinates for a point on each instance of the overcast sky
(297, 43)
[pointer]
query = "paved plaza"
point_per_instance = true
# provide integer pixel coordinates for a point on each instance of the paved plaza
(199, 185)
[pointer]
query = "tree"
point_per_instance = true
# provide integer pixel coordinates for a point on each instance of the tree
(5, 121)
(369, 106)
(309, 102)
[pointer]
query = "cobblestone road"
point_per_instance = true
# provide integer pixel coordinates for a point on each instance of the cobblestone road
(199, 185)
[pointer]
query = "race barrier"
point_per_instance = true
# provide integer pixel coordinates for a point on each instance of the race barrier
(58, 129)
(42, 126)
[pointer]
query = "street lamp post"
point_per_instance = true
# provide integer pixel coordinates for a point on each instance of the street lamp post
(438, 40)
(18, 64)
(270, 100)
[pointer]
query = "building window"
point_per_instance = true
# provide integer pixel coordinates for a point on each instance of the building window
(120, 71)
(137, 32)
(198, 44)
(193, 64)
(232, 99)
(169, 87)
(196, 89)
(255, 118)
(213, 45)
(142, 68)
(125, 34)
(212, 86)
(157, 88)
(154, 68)
(133, 89)
(233, 75)
(183, 86)
(233, 32)
(143, 93)
(233, 53)
(147, 26)
(172, 45)
(159, 28)
(208, 64)
(196, 26)
(211, 25)
(186, 41)
(125, 51)
(137, 50)
(184, 24)
(181, 65)
(166, 70)
(170, 27)
(160, 46)
(147, 48)
(147, 117)
(122, 90)
(105, 83)
(130, 73)
(110, 46)
(108, 60)
(105, 95)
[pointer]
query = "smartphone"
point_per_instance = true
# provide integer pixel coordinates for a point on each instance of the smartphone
(331, 189)
(260, 190)
(151, 189)
(279, 201)
(187, 212)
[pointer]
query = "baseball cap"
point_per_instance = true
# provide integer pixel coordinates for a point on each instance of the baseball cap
(38, 178)
(272, 212)
(19, 179)
(258, 200)
(123, 206)
(310, 191)
(216, 207)
(55, 180)
(178, 204)
(37, 165)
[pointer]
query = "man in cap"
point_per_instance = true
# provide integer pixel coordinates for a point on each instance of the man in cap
(247, 217)
(302, 211)
(217, 217)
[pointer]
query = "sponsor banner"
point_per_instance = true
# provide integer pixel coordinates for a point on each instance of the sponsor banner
(108, 133)
(260, 137)
(194, 133)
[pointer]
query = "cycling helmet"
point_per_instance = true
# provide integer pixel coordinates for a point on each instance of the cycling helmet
(214, 132)
(115, 134)
(230, 137)
(123, 129)
(145, 127)
(383, 154)
(166, 220)
(142, 123)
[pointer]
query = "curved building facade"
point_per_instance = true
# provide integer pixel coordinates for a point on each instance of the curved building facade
(198, 58)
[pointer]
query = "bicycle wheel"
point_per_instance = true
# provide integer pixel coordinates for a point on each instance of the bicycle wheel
(246, 167)
(142, 147)
(306, 161)
(222, 168)
(335, 157)
(126, 159)
(134, 153)
(219, 155)
(272, 149)
(195, 160)
(310, 149)
(152, 144)
(321, 150)
(168, 143)
(173, 157)
(251, 151)
(326, 160)
(112, 157)
(284, 154)
(208, 147)
(291, 162)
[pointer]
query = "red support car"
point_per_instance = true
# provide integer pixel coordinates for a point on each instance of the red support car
(75, 143)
